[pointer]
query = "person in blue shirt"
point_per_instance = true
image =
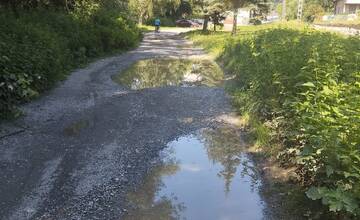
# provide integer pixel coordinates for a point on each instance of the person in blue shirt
(157, 24)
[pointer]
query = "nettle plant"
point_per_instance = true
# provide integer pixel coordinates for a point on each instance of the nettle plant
(304, 86)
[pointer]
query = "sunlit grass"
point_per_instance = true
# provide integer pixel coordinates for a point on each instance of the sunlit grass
(341, 23)
(214, 42)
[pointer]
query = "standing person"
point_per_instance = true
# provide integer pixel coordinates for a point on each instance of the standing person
(157, 24)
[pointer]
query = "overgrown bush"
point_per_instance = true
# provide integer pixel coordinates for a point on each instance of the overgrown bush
(305, 86)
(39, 47)
(300, 92)
(312, 12)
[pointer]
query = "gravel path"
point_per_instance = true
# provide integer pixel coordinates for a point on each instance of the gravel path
(83, 145)
(341, 30)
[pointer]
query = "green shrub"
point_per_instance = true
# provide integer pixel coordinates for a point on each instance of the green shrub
(300, 90)
(312, 12)
(28, 54)
(38, 48)
(305, 86)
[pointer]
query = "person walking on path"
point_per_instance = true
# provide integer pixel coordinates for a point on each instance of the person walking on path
(157, 24)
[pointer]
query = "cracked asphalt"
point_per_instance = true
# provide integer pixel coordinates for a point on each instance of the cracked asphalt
(82, 146)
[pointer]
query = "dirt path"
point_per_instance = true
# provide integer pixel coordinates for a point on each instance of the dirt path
(341, 30)
(84, 144)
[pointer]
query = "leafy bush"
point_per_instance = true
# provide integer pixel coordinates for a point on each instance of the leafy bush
(39, 47)
(305, 86)
(312, 12)
(302, 86)
(32, 58)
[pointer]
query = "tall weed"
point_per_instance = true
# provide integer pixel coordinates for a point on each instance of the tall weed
(305, 85)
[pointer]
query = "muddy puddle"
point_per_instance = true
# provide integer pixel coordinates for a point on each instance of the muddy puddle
(209, 175)
(203, 176)
(151, 73)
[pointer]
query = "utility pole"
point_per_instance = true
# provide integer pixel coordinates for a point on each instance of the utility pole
(300, 9)
(283, 10)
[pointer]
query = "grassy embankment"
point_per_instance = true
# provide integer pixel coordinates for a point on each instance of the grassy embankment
(40, 47)
(299, 91)
(341, 23)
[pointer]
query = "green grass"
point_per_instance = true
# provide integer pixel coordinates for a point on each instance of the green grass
(338, 23)
(215, 42)
(212, 42)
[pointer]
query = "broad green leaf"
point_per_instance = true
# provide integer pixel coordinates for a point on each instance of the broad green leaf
(308, 84)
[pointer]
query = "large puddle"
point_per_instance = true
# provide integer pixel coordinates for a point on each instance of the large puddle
(206, 176)
(158, 72)
(203, 176)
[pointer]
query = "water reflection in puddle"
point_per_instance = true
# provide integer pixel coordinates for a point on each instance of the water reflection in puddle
(205, 176)
(151, 73)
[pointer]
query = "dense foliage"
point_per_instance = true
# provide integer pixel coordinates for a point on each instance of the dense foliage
(303, 86)
(39, 46)
(313, 9)
(169, 10)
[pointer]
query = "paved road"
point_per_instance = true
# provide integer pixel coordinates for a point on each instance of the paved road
(83, 145)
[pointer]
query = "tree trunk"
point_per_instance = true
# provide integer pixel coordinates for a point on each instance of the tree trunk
(141, 19)
(67, 6)
(283, 14)
(206, 21)
(233, 32)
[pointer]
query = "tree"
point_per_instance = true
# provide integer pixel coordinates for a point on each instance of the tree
(283, 10)
(311, 9)
(166, 8)
(201, 8)
(236, 4)
(184, 9)
(258, 12)
(142, 9)
(217, 14)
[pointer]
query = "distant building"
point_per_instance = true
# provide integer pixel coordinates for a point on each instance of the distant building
(242, 18)
(347, 6)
